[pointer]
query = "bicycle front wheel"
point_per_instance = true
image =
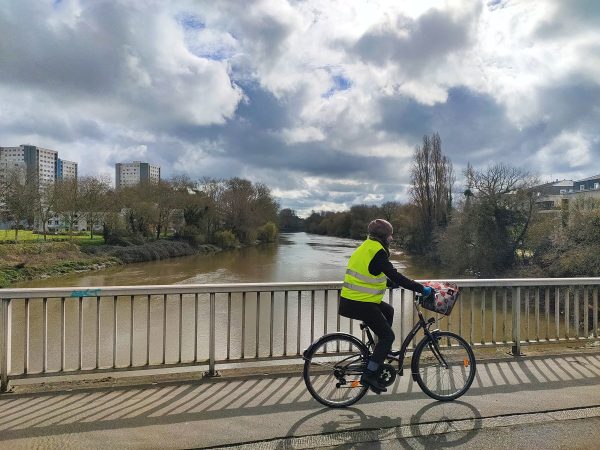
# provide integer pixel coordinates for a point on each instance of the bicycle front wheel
(332, 370)
(444, 366)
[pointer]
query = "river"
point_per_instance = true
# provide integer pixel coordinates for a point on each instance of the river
(297, 257)
(106, 325)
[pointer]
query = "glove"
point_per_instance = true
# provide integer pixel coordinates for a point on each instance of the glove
(428, 292)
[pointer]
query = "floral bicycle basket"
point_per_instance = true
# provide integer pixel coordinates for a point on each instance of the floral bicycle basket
(446, 295)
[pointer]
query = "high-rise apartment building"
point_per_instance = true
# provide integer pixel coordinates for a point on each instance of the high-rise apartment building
(66, 169)
(37, 163)
(133, 173)
(40, 163)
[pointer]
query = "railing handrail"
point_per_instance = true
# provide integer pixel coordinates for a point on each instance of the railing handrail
(95, 291)
(212, 324)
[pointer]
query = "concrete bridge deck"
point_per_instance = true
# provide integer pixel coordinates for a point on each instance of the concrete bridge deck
(276, 411)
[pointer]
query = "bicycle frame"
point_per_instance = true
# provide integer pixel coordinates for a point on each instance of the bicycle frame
(401, 354)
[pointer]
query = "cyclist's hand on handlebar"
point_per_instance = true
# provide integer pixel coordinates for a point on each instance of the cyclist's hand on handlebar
(428, 292)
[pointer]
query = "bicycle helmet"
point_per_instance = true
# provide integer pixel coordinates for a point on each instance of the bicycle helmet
(380, 229)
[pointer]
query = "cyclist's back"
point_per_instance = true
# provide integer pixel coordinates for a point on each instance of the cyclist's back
(368, 275)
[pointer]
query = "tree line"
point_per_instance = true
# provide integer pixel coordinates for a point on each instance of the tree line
(492, 228)
(224, 212)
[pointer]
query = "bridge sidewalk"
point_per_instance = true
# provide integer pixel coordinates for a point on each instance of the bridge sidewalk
(276, 411)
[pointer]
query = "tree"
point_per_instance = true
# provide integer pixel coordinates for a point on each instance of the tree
(487, 233)
(92, 193)
(167, 199)
(19, 197)
(361, 215)
(432, 180)
(45, 206)
(212, 216)
(245, 207)
(140, 211)
(289, 221)
(68, 202)
(572, 249)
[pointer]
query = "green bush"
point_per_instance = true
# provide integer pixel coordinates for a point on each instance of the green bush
(267, 232)
(192, 235)
(148, 252)
(226, 239)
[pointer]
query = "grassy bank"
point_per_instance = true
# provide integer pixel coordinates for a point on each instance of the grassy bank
(32, 259)
(24, 236)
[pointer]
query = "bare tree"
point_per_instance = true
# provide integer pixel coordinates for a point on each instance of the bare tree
(213, 191)
(68, 203)
(19, 195)
(432, 179)
(489, 230)
(45, 206)
(167, 200)
(92, 192)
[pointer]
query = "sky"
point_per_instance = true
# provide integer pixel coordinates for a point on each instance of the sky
(324, 101)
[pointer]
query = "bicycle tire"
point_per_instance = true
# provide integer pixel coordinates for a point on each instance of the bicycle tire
(332, 369)
(439, 382)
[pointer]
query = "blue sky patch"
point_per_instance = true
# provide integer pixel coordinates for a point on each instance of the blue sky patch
(340, 83)
(190, 22)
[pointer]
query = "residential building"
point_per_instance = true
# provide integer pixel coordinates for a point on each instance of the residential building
(133, 173)
(41, 163)
(550, 195)
(66, 170)
(588, 184)
(558, 194)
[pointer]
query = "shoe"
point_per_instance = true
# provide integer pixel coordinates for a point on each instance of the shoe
(369, 379)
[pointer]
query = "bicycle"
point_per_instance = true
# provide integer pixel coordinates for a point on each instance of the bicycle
(443, 364)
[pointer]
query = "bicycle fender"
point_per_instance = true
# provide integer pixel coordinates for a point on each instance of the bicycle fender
(310, 348)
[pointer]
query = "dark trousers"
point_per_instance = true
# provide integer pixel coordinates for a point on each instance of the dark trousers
(378, 317)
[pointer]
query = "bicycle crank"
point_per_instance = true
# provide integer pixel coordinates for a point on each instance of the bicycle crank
(387, 375)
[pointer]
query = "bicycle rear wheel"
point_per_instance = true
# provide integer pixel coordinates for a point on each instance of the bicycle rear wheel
(332, 370)
(444, 367)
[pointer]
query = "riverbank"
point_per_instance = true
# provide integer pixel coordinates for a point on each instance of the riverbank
(39, 260)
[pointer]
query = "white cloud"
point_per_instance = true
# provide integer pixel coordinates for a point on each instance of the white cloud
(323, 101)
(303, 134)
(571, 148)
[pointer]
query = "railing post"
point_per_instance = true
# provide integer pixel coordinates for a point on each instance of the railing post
(3, 344)
(516, 321)
(211, 338)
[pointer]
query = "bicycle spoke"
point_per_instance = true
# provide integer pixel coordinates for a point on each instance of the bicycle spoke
(333, 377)
(445, 371)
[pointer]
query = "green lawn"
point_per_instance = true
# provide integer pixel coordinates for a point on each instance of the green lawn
(24, 235)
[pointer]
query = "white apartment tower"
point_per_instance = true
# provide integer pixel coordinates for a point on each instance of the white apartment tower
(41, 163)
(133, 173)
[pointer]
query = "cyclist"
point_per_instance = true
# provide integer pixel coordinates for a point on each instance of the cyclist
(368, 274)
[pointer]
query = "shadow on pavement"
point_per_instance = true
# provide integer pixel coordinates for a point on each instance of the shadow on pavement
(433, 422)
(45, 414)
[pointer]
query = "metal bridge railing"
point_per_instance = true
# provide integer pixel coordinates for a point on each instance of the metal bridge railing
(69, 331)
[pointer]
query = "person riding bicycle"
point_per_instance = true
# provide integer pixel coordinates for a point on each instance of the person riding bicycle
(368, 274)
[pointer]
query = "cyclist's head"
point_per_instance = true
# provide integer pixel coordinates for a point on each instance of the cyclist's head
(381, 230)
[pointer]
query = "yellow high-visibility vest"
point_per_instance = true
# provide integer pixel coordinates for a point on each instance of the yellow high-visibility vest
(359, 284)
